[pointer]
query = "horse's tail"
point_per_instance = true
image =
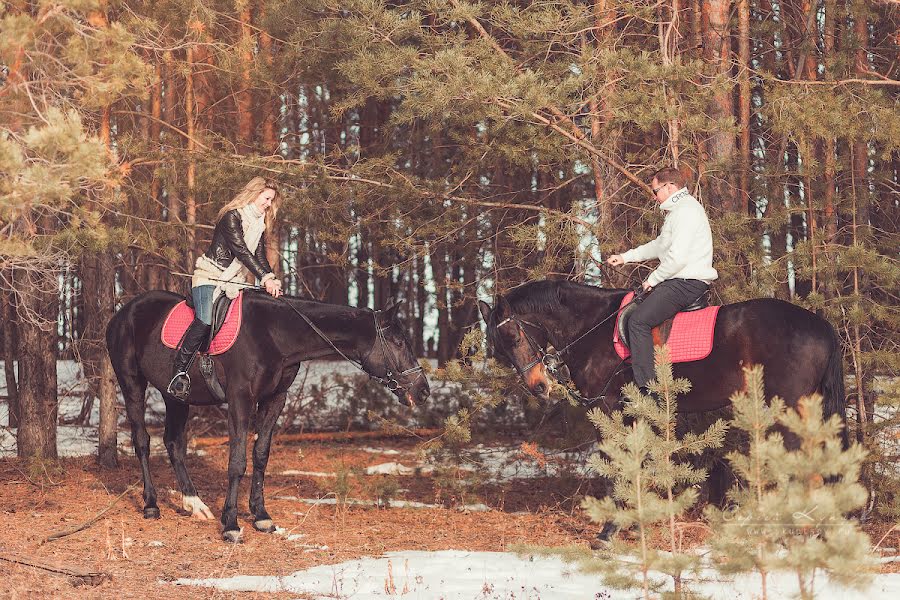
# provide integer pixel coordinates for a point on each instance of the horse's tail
(833, 394)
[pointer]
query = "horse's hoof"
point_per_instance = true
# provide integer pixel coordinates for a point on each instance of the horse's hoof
(599, 544)
(607, 532)
(264, 525)
(232, 535)
(151, 512)
(195, 506)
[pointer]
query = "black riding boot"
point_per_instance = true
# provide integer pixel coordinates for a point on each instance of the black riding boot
(193, 339)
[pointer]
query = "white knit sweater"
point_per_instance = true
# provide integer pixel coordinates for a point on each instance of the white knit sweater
(684, 246)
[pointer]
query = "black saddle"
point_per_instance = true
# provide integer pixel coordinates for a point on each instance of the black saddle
(622, 326)
(220, 311)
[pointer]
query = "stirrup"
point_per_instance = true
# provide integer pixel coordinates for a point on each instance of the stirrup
(180, 386)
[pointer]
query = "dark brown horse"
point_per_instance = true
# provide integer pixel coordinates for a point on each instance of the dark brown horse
(276, 336)
(800, 351)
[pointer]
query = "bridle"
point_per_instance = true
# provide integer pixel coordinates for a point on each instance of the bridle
(390, 379)
(553, 361)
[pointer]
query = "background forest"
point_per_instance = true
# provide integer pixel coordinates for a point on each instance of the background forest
(440, 152)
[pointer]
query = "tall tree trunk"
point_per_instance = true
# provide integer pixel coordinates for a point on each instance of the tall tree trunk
(190, 205)
(38, 404)
(439, 273)
(744, 197)
(10, 356)
(421, 302)
(717, 54)
(828, 149)
(173, 199)
(244, 96)
(271, 102)
(106, 389)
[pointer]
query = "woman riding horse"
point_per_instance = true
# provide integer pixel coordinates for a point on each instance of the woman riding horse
(238, 246)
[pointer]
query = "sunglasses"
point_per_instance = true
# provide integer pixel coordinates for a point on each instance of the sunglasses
(655, 191)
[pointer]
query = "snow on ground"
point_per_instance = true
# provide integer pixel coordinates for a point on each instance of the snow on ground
(463, 575)
(318, 399)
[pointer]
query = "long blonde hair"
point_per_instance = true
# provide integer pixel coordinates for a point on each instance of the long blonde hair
(249, 193)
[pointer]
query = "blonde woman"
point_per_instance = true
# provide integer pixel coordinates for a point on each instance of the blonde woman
(238, 247)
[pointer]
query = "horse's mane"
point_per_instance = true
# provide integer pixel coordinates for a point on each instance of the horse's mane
(545, 296)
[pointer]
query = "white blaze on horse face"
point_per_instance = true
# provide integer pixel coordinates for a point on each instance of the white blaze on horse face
(195, 506)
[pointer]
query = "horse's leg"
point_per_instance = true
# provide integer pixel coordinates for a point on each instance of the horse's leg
(238, 418)
(175, 438)
(134, 387)
(721, 479)
(266, 417)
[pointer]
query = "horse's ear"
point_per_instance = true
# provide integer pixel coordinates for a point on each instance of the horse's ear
(503, 307)
(389, 311)
(485, 309)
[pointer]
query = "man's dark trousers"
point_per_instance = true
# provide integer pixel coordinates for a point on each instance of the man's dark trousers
(663, 302)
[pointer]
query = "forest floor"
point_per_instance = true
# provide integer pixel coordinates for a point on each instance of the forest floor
(140, 558)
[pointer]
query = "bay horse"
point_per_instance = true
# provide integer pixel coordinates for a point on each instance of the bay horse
(276, 336)
(799, 351)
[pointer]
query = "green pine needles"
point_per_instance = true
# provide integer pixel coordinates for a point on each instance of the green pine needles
(797, 486)
(653, 482)
(788, 511)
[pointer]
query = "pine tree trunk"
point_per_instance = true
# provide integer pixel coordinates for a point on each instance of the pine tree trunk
(438, 256)
(744, 197)
(190, 205)
(10, 343)
(421, 300)
(717, 53)
(244, 96)
(173, 199)
(36, 436)
(106, 388)
(270, 104)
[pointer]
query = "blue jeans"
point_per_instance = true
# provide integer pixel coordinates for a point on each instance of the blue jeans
(203, 302)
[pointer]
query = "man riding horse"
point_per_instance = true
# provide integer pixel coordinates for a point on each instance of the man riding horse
(684, 249)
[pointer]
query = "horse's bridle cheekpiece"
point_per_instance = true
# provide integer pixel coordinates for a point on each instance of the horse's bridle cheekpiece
(554, 362)
(390, 378)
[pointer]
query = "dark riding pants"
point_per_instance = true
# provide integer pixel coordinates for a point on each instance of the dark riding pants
(662, 303)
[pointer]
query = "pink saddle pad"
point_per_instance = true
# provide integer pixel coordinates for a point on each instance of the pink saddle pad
(691, 337)
(180, 318)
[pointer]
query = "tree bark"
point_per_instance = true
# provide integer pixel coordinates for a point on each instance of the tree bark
(10, 355)
(717, 54)
(38, 407)
(744, 197)
(107, 454)
(244, 96)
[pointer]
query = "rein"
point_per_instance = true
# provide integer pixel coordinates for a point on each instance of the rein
(554, 362)
(389, 380)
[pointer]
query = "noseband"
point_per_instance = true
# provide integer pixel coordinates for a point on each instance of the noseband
(390, 380)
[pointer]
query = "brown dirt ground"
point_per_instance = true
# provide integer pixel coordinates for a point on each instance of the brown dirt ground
(542, 512)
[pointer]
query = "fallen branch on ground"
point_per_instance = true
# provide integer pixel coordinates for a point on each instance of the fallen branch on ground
(89, 577)
(89, 522)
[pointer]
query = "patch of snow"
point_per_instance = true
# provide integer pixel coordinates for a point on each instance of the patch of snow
(295, 472)
(394, 468)
(381, 451)
(391, 503)
(463, 575)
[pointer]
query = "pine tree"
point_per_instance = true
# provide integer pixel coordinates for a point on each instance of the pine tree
(791, 511)
(652, 484)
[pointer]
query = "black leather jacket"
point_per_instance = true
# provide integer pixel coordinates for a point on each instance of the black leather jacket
(228, 244)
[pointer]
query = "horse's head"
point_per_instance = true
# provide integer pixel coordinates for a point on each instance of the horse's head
(391, 358)
(519, 343)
